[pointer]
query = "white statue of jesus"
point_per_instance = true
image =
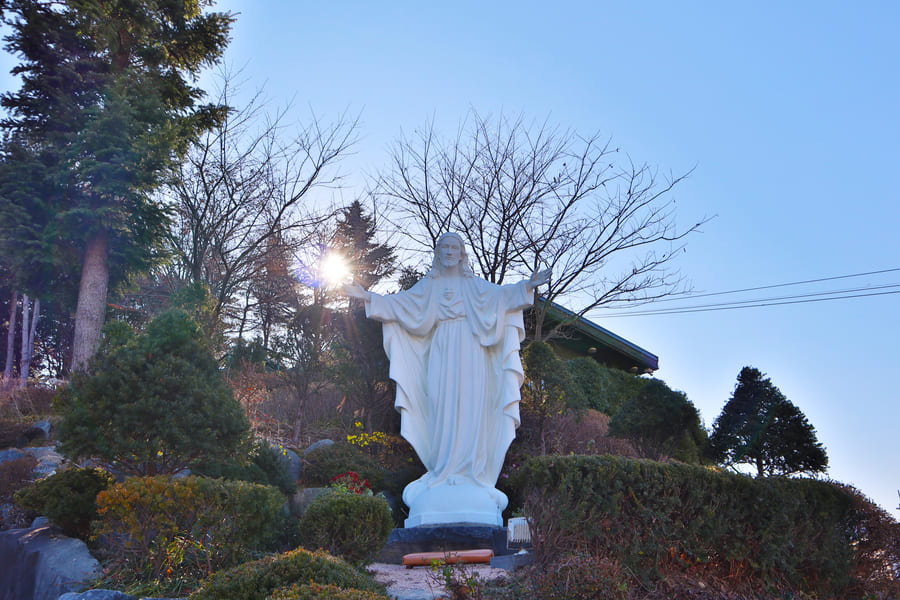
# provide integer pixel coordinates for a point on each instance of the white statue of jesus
(453, 342)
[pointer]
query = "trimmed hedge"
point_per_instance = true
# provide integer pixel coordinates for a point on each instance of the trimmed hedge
(655, 517)
(258, 579)
(158, 526)
(353, 526)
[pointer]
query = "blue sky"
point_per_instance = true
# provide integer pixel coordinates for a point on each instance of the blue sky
(789, 111)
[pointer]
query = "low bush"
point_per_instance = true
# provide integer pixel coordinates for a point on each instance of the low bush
(257, 580)
(67, 499)
(580, 576)
(12, 433)
(184, 529)
(346, 524)
(14, 475)
(263, 465)
(323, 464)
(317, 591)
(655, 519)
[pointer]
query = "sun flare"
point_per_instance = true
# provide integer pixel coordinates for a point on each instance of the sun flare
(334, 269)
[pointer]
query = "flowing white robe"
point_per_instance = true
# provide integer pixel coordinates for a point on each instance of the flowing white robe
(453, 344)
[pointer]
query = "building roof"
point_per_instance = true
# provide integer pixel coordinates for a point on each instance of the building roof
(583, 337)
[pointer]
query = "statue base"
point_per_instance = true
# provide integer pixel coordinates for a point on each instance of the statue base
(442, 539)
(458, 504)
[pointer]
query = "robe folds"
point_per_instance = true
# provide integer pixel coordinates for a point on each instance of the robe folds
(453, 344)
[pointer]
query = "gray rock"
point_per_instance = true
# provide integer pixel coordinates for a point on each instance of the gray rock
(291, 460)
(40, 522)
(49, 460)
(96, 595)
(317, 445)
(42, 564)
(11, 454)
(41, 429)
(300, 501)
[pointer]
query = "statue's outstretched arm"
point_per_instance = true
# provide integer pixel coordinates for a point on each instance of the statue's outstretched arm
(354, 290)
(538, 278)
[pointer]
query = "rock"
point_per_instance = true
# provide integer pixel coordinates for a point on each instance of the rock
(40, 522)
(300, 501)
(41, 429)
(42, 564)
(96, 595)
(11, 454)
(291, 460)
(317, 445)
(49, 460)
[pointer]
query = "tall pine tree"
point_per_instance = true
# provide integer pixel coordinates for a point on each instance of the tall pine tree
(105, 108)
(760, 427)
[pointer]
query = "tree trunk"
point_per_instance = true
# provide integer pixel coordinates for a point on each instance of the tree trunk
(90, 311)
(538, 317)
(10, 340)
(28, 332)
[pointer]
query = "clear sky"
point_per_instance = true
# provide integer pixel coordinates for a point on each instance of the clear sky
(790, 112)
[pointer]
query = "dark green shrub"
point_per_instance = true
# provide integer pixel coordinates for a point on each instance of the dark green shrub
(352, 526)
(155, 526)
(317, 591)
(263, 465)
(323, 464)
(258, 579)
(602, 388)
(661, 423)
(67, 499)
(153, 403)
(655, 518)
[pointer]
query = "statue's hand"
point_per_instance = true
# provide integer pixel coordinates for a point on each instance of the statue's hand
(539, 278)
(354, 290)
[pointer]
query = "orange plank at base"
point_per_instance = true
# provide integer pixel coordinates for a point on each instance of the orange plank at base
(424, 559)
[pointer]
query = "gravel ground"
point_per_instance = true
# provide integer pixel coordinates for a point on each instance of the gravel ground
(420, 583)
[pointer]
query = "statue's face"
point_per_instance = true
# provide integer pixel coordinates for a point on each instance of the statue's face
(449, 252)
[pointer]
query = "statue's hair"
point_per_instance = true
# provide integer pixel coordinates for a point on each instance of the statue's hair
(437, 269)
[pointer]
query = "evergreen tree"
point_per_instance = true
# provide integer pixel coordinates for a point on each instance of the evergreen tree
(155, 402)
(759, 426)
(104, 110)
(363, 368)
(369, 261)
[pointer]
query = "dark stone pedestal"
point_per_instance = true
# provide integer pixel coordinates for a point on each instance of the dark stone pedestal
(442, 538)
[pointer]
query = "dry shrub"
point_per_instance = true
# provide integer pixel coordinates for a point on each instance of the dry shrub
(14, 475)
(29, 401)
(585, 432)
(876, 538)
(581, 576)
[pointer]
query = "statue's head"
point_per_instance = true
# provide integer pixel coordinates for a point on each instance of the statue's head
(450, 251)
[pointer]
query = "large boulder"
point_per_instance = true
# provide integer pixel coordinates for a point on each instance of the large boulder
(42, 564)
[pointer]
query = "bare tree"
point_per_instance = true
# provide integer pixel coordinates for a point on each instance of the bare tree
(245, 187)
(532, 196)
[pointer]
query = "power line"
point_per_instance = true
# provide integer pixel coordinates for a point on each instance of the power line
(841, 294)
(737, 305)
(689, 295)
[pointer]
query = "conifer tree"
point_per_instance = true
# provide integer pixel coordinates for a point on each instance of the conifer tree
(104, 109)
(760, 427)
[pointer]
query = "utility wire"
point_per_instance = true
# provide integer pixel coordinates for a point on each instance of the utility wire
(775, 301)
(689, 295)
